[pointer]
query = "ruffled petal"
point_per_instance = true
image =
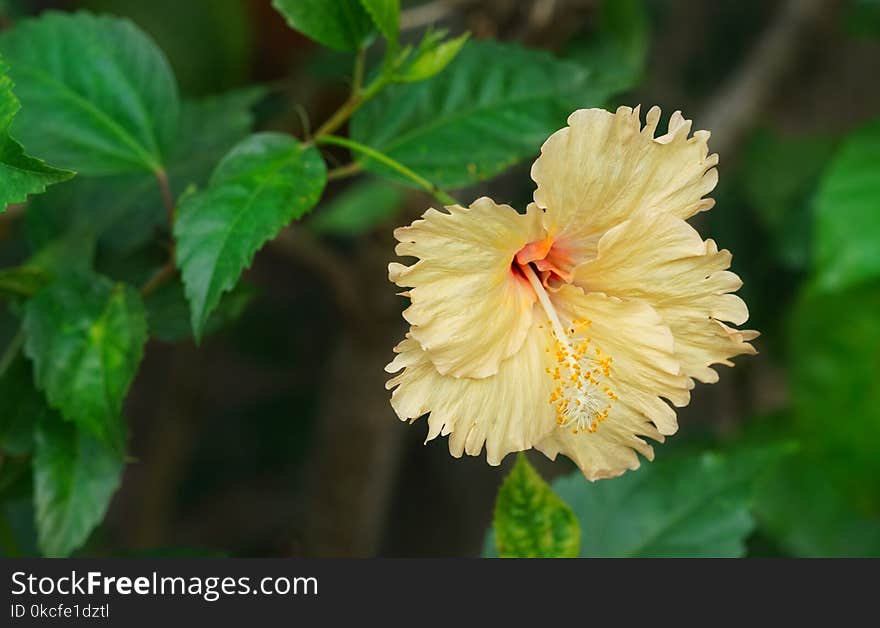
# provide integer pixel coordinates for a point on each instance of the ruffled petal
(603, 167)
(469, 311)
(662, 260)
(507, 412)
(643, 373)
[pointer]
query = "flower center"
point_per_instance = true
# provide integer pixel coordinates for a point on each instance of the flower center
(550, 258)
(582, 396)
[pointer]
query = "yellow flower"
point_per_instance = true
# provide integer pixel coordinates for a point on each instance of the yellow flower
(569, 328)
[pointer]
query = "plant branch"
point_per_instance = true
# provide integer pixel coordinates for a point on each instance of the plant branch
(343, 172)
(167, 196)
(168, 270)
(159, 277)
(358, 96)
(398, 167)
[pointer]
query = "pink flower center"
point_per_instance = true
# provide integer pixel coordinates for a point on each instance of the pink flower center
(549, 257)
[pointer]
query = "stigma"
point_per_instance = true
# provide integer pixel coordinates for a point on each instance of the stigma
(582, 394)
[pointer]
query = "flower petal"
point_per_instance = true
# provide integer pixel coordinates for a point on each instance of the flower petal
(603, 167)
(662, 260)
(644, 372)
(469, 312)
(507, 412)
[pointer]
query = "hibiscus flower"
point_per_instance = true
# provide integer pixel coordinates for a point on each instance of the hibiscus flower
(572, 327)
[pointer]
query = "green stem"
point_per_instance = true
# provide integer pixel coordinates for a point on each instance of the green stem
(169, 270)
(343, 172)
(359, 95)
(398, 167)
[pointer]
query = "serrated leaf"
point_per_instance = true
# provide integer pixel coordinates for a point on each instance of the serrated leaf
(108, 90)
(22, 406)
(125, 211)
(491, 108)
(75, 475)
(386, 16)
(209, 128)
(679, 506)
(690, 506)
(20, 175)
(531, 521)
(357, 209)
(168, 311)
(340, 24)
(264, 183)
(848, 214)
(85, 336)
(430, 58)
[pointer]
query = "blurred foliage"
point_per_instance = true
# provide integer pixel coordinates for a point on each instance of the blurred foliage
(684, 505)
(209, 42)
(848, 214)
(360, 208)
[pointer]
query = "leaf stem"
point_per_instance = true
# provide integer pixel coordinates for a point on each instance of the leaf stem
(343, 172)
(168, 270)
(167, 196)
(359, 95)
(159, 277)
(398, 167)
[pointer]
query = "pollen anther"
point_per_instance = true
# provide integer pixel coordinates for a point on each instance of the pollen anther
(583, 396)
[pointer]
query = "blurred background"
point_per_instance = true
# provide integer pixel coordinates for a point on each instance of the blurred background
(275, 437)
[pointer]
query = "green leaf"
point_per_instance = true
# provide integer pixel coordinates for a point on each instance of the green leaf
(357, 209)
(386, 16)
(685, 506)
(530, 520)
(20, 175)
(107, 89)
(861, 19)
(807, 508)
(168, 311)
(209, 128)
(21, 407)
(125, 211)
(338, 24)
(209, 43)
(833, 383)
(616, 51)
(264, 183)
(779, 175)
(86, 338)
(122, 212)
(75, 475)
(431, 57)
(493, 107)
(848, 214)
